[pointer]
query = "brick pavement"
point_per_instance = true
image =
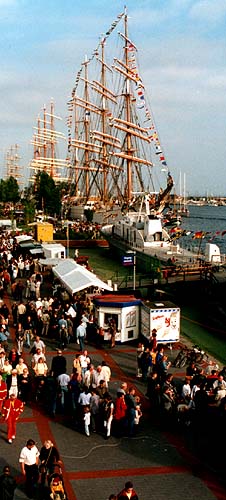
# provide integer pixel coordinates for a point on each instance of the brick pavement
(160, 463)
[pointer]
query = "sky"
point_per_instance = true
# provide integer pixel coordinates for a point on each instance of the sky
(182, 55)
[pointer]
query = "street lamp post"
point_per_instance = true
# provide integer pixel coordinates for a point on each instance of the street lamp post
(130, 260)
(68, 237)
(134, 270)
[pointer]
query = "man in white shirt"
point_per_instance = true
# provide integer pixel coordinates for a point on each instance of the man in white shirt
(81, 334)
(39, 344)
(105, 372)
(29, 457)
(84, 362)
(63, 381)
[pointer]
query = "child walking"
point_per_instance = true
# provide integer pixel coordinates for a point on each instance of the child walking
(86, 418)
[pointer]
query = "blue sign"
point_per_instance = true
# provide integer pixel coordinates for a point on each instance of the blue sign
(128, 260)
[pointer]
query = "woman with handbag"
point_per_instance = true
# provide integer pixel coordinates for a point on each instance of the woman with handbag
(20, 338)
(49, 458)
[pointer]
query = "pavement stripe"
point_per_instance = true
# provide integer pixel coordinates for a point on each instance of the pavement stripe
(44, 430)
(144, 471)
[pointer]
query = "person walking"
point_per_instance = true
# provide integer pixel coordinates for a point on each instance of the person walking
(128, 492)
(108, 409)
(11, 410)
(3, 392)
(59, 364)
(63, 381)
(28, 459)
(49, 458)
(12, 382)
(7, 484)
(112, 332)
(81, 334)
(131, 410)
(19, 338)
(25, 386)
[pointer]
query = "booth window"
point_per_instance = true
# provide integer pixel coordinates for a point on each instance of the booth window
(108, 317)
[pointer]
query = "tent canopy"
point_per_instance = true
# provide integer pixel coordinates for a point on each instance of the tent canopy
(75, 277)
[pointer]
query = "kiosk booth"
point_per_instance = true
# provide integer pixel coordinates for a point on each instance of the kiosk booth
(164, 317)
(124, 309)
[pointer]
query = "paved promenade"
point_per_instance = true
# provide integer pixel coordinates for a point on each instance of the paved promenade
(160, 464)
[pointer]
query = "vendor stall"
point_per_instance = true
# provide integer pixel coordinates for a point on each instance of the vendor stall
(124, 310)
(164, 317)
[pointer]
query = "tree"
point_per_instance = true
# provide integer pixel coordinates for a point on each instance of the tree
(9, 190)
(47, 194)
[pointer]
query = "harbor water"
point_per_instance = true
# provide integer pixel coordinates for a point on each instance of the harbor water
(210, 220)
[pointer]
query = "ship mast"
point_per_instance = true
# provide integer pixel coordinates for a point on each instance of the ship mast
(128, 118)
(45, 140)
(86, 163)
(13, 169)
(103, 118)
(114, 135)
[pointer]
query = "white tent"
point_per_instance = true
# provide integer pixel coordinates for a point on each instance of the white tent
(75, 277)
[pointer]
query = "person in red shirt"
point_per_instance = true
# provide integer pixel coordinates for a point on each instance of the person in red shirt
(120, 414)
(11, 410)
(153, 340)
(3, 392)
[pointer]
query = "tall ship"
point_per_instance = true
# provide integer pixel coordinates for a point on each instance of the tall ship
(112, 137)
(13, 167)
(117, 164)
(46, 144)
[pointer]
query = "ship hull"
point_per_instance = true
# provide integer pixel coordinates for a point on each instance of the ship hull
(145, 263)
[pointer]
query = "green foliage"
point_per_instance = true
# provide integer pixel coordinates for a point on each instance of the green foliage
(47, 195)
(89, 214)
(29, 210)
(9, 190)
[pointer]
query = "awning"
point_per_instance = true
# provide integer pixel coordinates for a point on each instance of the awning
(36, 251)
(50, 261)
(23, 237)
(75, 277)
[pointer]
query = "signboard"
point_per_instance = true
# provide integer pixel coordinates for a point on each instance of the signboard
(166, 321)
(128, 260)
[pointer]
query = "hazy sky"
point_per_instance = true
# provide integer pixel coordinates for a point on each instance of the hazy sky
(182, 55)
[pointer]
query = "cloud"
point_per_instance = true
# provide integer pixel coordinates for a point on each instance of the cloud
(212, 11)
(7, 3)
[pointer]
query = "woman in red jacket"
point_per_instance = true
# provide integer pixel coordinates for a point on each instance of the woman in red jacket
(12, 408)
(120, 414)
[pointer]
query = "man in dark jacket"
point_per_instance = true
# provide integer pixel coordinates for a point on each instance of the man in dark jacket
(128, 492)
(7, 484)
(59, 364)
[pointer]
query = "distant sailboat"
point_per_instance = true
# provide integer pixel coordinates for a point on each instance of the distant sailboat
(183, 210)
(13, 167)
(45, 155)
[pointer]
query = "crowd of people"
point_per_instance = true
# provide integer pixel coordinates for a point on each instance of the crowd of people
(82, 390)
(29, 376)
(189, 401)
